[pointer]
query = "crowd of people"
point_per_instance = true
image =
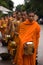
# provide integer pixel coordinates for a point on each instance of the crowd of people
(22, 27)
(8, 21)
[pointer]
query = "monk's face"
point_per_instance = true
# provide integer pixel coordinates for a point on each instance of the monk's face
(31, 16)
(14, 14)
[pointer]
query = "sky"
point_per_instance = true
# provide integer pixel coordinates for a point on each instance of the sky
(16, 2)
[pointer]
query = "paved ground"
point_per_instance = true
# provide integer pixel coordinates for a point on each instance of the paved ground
(40, 51)
(5, 63)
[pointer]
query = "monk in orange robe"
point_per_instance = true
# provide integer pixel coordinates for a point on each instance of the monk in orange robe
(29, 31)
(2, 24)
(6, 20)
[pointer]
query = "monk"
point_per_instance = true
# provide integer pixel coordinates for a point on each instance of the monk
(24, 15)
(29, 31)
(3, 26)
(6, 20)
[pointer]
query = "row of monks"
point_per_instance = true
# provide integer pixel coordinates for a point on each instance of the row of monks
(9, 27)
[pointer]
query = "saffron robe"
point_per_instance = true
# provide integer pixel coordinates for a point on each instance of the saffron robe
(29, 31)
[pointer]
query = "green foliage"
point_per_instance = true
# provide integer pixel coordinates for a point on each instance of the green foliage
(4, 4)
(7, 3)
(37, 5)
(23, 7)
(1, 14)
(20, 8)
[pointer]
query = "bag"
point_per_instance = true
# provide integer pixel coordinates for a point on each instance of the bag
(29, 48)
(13, 48)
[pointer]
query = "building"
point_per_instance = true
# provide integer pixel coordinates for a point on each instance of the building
(4, 10)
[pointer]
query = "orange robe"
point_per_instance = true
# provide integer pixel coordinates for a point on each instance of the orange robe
(29, 31)
(3, 29)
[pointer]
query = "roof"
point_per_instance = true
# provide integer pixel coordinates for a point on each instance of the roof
(4, 9)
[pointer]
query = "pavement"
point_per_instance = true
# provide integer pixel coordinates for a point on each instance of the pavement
(40, 49)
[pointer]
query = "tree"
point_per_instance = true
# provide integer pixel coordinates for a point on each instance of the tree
(7, 3)
(20, 8)
(28, 6)
(37, 5)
